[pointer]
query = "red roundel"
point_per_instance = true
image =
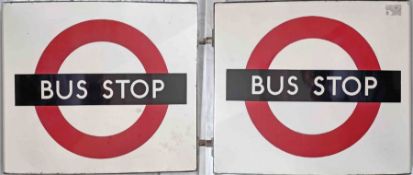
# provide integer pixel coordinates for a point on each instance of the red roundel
(309, 145)
(52, 118)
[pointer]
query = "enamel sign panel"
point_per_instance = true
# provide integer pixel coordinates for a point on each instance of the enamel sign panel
(96, 87)
(312, 88)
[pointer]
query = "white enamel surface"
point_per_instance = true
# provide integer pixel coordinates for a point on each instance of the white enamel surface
(240, 148)
(27, 30)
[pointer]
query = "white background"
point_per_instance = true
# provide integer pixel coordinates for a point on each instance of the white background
(240, 148)
(29, 149)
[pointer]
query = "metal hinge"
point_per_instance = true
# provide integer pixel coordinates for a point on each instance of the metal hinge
(206, 143)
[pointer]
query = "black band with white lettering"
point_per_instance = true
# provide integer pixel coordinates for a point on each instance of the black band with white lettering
(100, 89)
(313, 85)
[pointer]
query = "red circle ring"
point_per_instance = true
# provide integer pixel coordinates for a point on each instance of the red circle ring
(53, 57)
(342, 137)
